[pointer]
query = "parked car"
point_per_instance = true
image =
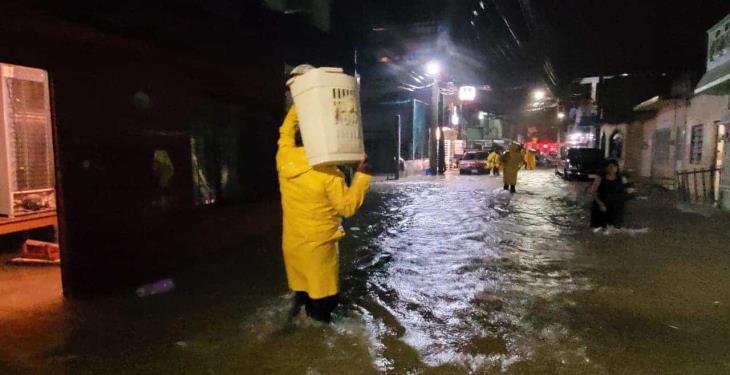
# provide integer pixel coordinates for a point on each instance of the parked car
(473, 162)
(579, 162)
(548, 159)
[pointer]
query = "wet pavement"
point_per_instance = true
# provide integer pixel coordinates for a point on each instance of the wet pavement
(441, 275)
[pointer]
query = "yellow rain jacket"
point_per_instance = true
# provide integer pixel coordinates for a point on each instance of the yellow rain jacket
(493, 160)
(530, 160)
(163, 168)
(512, 161)
(313, 200)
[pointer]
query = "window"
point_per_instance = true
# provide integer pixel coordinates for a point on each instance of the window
(661, 148)
(695, 145)
(616, 146)
(475, 155)
(589, 154)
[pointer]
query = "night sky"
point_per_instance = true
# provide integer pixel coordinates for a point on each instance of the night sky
(522, 43)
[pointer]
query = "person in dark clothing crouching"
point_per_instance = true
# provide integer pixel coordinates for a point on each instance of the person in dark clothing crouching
(609, 198)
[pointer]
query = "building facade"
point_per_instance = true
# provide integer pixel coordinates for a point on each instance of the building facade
(709, 119)
(158, 135)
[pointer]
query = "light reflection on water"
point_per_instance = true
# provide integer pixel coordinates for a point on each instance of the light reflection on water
(467, 274)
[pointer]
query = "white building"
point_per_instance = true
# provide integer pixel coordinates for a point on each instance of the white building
(708, 118)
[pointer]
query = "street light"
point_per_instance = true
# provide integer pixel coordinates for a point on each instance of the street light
(538, 95)
(561, 115)
(433, 68)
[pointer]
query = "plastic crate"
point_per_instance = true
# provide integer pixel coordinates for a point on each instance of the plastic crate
(328, 105)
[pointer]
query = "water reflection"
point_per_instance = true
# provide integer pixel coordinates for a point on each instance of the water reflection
(467, 274)
(439, 276)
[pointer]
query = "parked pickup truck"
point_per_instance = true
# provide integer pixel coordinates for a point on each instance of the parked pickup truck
(579, 162)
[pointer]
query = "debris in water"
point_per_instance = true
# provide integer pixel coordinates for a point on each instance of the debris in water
(696, 209)
(634, 232)
(158, 287)
(611, 230)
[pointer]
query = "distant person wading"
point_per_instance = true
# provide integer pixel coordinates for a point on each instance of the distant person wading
(512, 161)
(530, 159)
(494, 162)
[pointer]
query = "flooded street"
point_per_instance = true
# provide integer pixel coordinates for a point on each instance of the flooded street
(440, 275)
(469, 276)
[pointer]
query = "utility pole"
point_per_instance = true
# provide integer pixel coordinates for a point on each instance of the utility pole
(433, 144)
(397, 146)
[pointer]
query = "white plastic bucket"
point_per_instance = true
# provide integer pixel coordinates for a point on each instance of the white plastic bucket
(328, 105)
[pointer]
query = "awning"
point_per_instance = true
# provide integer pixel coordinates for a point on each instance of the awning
(654, 104)
(716, 81)
(647, 105)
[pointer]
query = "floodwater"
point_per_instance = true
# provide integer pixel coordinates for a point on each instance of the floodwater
(440, 275)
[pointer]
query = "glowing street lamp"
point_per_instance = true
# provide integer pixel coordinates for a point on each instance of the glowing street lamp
(433, 68)
(538, 95)
(561, 115)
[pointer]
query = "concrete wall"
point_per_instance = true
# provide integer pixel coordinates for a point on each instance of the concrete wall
(633, 147)
(708, 111)
(647, 142)
(645, 154)
(669, 118)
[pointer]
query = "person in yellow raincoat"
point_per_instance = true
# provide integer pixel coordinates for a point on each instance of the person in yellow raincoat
(313, 200)
(494, 162)
(530, 159)
(512, 161)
